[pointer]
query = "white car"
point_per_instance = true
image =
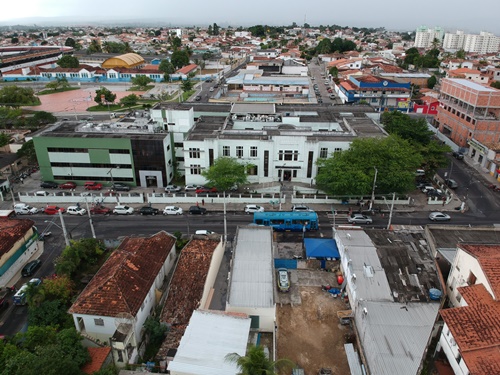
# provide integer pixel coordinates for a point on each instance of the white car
(172, 189)
(205, 232)
(300, 207)
(191, 187)
(211, 89)
(251, 208)
(123, 210)
(172, 210)
(359, 219)
(41, 193)
(75, 210)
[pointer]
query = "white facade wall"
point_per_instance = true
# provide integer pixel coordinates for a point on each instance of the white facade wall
(454, 41)
(294, 70)
(213, 270)
(451, 350)
(463, 265)
(267, 316)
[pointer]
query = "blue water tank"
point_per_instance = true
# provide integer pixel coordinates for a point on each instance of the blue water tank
(435, 294)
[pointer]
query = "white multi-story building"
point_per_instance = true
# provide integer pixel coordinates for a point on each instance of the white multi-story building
(483, 42)
(276, 142)
(424, 36)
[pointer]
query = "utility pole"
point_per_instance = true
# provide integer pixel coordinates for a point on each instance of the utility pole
(225, 219)
(90, 219)
(65, 232)
(373, 189)
(392, 208)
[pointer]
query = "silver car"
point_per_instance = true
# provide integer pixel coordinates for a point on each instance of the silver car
(439, 216)
(359, 219)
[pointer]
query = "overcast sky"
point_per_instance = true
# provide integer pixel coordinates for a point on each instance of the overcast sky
(393, 15)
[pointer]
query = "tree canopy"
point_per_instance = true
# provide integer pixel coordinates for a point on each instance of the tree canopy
(351, 172)
(225, 173)
(129, 100)
(109, 97)
(27, 150)
(255, 362)
(142, 81)
(180, 58)
(68, 61)
(15, 96)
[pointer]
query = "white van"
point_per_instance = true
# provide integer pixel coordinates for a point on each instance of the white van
(24, 209)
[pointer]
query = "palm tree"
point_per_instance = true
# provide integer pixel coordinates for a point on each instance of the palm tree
(255, 362)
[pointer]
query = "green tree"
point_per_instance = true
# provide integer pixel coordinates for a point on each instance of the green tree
(155, 329)
(94, 47)
(14, 96)
(27, 150)
(460, 54)
(43, 117)
(186, 85)
(255, 362)
(4, 139)
(334, 71)
(225, 173)
(14, 40)
(109, 97)
(415, 131)
(70, 42)
(176, 42)
(325, 46)
(257, 31)
(167, 68)
(179, 58)
(495, 84)
(431, 82)
(8, 116)
(142, 81)
(351, 172)
(68, 61)
(129, 100)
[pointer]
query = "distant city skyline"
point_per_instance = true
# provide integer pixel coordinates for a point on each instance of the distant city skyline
(391, 14)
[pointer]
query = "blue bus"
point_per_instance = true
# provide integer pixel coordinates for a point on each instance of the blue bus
(287, 220)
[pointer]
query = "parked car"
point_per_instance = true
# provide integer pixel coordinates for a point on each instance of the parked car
(251, 208)
(192, 187)
(439, 216)
(452, 184)
(30, 267)
(300, 207)
(172, 188)
(359, 219)
(100, 210)
(197, 98)
(53, 210)
(211, 89)
(41, 193)
(67, 185)
(196, 210)
(76, 210)
(24, 209)
(147, 210)
(283, 280)
(331, 96)
(123, 210)
(427, 188)
(92, 186)
(204, 190)
(205, 232)
(458, 155)
(172, 210)
(49, 185)
(436, 193)
(118, 186)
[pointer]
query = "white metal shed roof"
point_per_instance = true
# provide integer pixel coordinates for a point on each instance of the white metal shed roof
(251, 283)
(208, 338)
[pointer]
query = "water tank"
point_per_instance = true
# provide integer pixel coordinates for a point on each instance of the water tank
(435, 294)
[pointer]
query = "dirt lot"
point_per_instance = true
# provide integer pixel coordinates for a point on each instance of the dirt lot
(310, 334)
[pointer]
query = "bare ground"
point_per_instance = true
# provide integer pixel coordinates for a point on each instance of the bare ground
(310, 334)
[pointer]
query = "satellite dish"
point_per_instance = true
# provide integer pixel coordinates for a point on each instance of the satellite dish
(122, 320)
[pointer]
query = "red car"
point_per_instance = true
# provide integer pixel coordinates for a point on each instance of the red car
(92, 186)
(52, 210)
(68, 185)
(204, 189)
(100, 210)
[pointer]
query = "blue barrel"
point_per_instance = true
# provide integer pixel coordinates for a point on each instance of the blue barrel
(435, 294)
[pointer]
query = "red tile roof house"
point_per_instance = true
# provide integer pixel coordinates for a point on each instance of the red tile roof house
(115, 304)
(18, 243)
(183, 72)
(470, 338)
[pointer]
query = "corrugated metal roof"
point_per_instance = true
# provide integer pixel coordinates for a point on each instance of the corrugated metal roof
(394, 336)
(353, 360)
(209, 337)
(472, 85)
(252, 271)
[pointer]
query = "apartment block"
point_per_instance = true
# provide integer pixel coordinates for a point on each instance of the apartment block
(425, 36)
(483, 42)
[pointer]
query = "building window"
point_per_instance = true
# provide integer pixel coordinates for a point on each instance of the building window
(239, 151)
(226, 151)
(288, 155)
(472, 279)
(99, 322)
(323, 153)
(194, 153)
(195, 169)
(253, 151)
